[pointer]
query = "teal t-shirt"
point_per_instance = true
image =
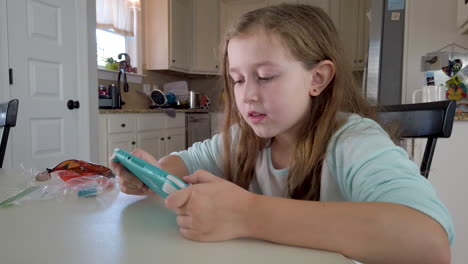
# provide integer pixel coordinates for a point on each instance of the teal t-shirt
(362, 164)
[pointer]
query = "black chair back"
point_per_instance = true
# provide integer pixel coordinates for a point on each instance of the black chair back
(423, 120)
(8, 114)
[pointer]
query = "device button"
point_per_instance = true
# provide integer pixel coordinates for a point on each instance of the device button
(168, 188)
(176, 181)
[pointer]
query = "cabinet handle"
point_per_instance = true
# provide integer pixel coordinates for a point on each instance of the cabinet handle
(133, 142)
(169, 138)
(173, 60)
(122, 125)
(162, 139)
(360, 60)
(217, 67)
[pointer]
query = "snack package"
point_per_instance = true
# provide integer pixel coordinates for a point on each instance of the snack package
(68, 180)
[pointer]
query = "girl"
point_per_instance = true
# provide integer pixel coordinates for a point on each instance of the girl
(300, 160)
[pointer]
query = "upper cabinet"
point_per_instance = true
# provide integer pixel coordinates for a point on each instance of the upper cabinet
(182, 35)
(206, 36)
(231, 10)
(462, 16)
(168, 34)
(353, 28)
(349, 17)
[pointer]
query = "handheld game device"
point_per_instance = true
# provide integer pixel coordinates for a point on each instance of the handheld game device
(159, 181)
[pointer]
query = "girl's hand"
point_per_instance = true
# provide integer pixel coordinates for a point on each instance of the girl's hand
(212, 209)
(128, 182)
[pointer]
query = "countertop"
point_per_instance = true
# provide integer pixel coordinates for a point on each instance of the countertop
(458, 116)
(160, 110)
(461, 116)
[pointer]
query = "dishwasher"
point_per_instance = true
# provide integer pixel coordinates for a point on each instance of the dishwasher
(198, 128)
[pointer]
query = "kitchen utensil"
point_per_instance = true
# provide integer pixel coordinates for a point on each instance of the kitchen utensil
(194, 99)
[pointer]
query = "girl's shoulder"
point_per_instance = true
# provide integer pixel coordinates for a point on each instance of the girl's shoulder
(355, 123)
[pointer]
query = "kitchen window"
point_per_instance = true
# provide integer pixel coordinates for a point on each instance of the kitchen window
(109, 44)
(118, 31)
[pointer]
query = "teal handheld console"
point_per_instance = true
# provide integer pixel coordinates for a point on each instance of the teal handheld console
(159, 181)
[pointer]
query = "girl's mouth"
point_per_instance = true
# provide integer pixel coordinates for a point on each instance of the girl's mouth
(256, 117)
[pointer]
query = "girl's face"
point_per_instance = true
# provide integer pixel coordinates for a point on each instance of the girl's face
(271, 88)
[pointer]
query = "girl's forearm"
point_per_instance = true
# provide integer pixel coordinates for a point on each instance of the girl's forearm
(370, 232)
(174, 165)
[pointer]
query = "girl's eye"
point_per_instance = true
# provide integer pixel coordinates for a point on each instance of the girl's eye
(269, 78)
(238, 82)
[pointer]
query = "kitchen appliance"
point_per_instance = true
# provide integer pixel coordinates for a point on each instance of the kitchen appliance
(385, 56)
(194, 99)
(111, 100)
(198, 128)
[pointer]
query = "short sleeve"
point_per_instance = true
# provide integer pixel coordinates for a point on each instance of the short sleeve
(368, 166)
(204, 155)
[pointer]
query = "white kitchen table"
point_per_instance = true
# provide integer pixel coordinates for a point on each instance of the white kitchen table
(118, 228)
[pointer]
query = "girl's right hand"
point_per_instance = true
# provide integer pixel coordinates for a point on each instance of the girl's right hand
(128, 182)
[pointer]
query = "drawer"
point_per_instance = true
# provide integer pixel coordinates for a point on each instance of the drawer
(177, 121)
(148, 122)
(120, 123)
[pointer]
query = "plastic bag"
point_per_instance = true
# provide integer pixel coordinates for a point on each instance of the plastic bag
(57, 187)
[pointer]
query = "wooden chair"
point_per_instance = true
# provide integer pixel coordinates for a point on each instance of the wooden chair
(8, 114)
(423, 120)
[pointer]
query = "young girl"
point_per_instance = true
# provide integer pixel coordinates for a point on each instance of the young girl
(300, 160)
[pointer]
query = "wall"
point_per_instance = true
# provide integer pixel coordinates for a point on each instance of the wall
(431, 25)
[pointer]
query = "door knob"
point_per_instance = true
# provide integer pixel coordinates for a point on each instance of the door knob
(73, 104)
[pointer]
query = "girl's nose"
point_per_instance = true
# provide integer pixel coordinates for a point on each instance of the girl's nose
(250, 91)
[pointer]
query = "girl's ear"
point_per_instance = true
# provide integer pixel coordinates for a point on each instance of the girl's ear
(322, 74)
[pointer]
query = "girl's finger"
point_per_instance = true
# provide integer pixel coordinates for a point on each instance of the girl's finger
(179, 198)
(184, 221)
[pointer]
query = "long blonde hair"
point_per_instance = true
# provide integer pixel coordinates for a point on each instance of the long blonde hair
(310, 36)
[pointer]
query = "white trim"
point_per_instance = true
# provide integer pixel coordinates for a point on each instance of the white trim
(81, 77)
(4, 78)
(404, 77)
(112, 76)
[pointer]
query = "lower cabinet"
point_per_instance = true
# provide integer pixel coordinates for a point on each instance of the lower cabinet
(156, 133)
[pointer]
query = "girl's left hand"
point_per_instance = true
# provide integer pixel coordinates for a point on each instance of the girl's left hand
(212, 209)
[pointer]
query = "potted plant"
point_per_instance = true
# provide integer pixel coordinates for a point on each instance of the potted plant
(111, 64)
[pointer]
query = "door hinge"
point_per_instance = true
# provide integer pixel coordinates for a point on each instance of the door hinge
(10, 75)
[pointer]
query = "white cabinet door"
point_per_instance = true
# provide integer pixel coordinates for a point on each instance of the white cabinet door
(152, 142)
(180, 33)
(175, 140)
(232, 10)
(125, 141)
(206, 36)
(348, 27)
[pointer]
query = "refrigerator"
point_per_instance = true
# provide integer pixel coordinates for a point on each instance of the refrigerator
(383, 73)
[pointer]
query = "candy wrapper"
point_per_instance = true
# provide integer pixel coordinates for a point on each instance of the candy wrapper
(71, 179)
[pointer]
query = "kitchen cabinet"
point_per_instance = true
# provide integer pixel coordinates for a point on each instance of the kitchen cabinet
(205, 37)
(168, 31)
(182, 35)
(156, 133)
(349, 17)
(230, 10)
(353, 28)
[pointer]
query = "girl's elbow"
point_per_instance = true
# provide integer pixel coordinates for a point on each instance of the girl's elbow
(439, 251)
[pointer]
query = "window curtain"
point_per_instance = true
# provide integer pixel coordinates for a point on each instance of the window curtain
(117, 15)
